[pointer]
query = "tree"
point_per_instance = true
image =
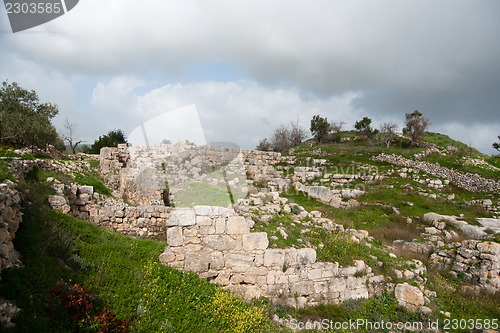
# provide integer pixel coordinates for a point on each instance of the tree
(112, 139)
(416, 125)
(24, 120)
(69, 138)
(336, 128)
(364, 128)
(319, 128)
(496, 145)
(387, 134)
(264, 145)
(287, 136)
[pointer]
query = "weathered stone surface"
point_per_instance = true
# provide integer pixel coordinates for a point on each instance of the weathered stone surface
(182, 217)
(196, 262)
(237, 225)
(219, 242)
(174, 236)
(409, 297)
(274, 257)
(489, 247)
(59, 203)
(255, 241)
(86, 189)
(306, 256)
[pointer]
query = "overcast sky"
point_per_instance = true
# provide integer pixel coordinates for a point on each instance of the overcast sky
(249, 66)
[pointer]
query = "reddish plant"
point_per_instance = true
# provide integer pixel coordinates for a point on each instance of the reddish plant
(84, 308)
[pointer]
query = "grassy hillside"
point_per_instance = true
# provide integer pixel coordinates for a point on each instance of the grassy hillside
(122, 273)
(116, 280)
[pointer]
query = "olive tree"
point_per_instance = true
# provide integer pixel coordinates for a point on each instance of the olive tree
(416, 126)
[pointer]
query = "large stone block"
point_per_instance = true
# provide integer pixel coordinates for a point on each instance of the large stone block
(86, 189)
(306, 256)
(236, 225)
(409, 297)
(489, 247)
(181, 217)
(219, 242)
(197, 262)
(203, 210)
(274, 257)
(174, 236)
(255, 241)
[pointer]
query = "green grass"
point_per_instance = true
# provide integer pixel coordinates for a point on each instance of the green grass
(121, 271)
(92, 178)
(443, 140)
(195, 193)
(462, 305)
(4, 171)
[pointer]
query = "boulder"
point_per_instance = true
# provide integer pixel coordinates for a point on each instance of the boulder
(409, 297)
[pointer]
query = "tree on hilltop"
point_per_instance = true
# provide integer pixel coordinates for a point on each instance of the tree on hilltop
(320, 128)
(416, 126)
(286, 136)
(364, 128)
(496, 145)
(387, 134)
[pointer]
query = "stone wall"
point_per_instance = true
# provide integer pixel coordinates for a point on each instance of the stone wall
(217, 245)
(469, 181)
(9, 222)
(146, 175)
(475, 261)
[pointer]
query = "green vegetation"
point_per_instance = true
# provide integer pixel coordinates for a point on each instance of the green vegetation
(92, 178)
(24, 120)
(195, 193)
(122, 272)
(112, 139)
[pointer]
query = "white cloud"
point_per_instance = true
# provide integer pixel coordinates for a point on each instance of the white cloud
(479, 136)
(242, 112)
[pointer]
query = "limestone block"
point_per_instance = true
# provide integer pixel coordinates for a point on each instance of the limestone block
(409, 297)
(489, 247)
(174, 236)
(216, 261)
(306, 256)
(237, 225)
(303, 288)
(181, 217)
(167, 256)
(219, 242)
(314, 274)
(235, 260)
(338, 285)
(196, 262)
(274, 257)
(59, 203)
(206, 230)
(223, 278)
(203, 221)
(220, 226)
(85, 189)
(203, 210)
(255, 241)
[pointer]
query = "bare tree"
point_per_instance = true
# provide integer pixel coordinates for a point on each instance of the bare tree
(387, 134)
(287, 136)
(69, 138)
(336, 126)
(297, 133)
